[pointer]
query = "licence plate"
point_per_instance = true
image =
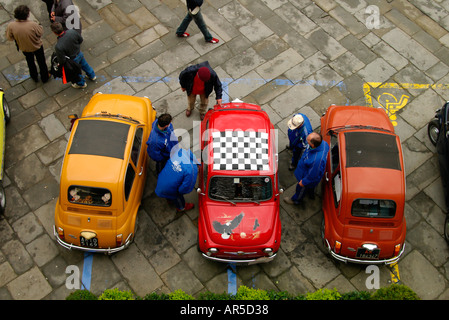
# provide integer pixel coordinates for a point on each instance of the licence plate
(90, 243)
(366, 254)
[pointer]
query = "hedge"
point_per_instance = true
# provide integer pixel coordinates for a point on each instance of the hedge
(392, 292)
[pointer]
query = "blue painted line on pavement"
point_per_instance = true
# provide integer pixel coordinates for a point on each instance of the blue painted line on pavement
(232, 279)
(87, 270)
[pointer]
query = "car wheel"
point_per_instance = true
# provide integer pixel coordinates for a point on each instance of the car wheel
(6, 110)
(433, 130)
(446, 228)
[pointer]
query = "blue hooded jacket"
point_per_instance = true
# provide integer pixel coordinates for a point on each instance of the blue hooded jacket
(312, 165)
(160, 142)
(179, 174)
(298, 136)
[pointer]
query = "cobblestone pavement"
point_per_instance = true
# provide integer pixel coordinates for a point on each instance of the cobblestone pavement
(285, 55)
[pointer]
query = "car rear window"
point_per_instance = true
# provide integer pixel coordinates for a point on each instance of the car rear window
(372, 149)
(90, 196)
(374, 208)
(242, 189)
(100, 138)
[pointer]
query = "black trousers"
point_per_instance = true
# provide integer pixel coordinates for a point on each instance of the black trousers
(40, 58)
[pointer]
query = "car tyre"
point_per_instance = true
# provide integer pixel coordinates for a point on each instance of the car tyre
(433, 130)
(446, 228)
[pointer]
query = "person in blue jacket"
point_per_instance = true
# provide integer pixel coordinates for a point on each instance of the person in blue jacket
(161, 140)
(310, 167)
(178, 178)
(299, 128)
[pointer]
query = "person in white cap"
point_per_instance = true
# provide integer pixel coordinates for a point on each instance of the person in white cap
(299, 128)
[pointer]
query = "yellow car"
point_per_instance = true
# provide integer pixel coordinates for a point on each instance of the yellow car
(103, 174)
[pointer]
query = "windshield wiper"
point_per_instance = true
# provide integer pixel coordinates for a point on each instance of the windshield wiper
(222, 197)
(248, 199)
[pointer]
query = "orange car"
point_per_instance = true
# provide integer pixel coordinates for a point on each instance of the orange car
(103, 174)
(363, 187)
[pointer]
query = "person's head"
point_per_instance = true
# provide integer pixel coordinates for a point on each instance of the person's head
(314, 139)
(22, 12)
(204, 74)
(295, 122)
(57, 28)
(164, 120)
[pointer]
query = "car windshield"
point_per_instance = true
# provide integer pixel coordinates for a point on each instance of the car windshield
(373, 208)
(90, 196)
(240, 189)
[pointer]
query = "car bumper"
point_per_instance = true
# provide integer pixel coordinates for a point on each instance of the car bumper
(264, 259)
(71, 246)
(362, 261)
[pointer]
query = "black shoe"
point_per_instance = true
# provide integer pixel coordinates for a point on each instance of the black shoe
(291, 167)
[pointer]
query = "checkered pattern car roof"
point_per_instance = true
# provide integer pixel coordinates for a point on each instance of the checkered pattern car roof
(240, 150)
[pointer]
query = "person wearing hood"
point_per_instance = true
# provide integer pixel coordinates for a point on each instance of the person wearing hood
(310, 167)
(177, 178)
(200, 79)
(161, 141)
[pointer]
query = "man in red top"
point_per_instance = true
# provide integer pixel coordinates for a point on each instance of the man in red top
(200, 80)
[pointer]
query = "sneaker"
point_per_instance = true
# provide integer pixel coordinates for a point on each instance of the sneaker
(288, 200)
(92, 79)
(188, 206)
(182, 35)
(76, 86)
(213, 40)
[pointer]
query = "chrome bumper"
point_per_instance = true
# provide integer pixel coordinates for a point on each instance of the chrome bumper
(71, 246)
(242, 261)
(361, 261)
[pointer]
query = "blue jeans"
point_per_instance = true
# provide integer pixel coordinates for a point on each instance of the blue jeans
(198, 18)
(85, 67)
(301, 192)
(179, 202)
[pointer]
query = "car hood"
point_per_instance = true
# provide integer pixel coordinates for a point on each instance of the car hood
(241, 225)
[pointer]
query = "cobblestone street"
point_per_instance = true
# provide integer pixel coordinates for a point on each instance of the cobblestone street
(287, 56)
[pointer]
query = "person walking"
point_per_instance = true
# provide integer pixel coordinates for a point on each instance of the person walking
(67, 14)
(200, 79)
(69, 45)
(310, 167)
(161, 141)
(299, 128)
(194, 13)
(27, 35)
(178, 178)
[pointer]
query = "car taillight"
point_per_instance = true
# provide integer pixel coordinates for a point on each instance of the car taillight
(397, 248)
(337, 247)
(61, 233)
(118, 240)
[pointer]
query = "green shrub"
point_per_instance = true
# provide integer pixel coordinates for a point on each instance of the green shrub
(215, 296)
(279, 295)
(324, 294)
(156, 296)
(116, 294)
(245, 293)
(395, 292)
(356, 295)
(180, 295)
(81, 295)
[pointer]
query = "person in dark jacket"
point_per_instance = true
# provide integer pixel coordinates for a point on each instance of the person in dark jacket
(161, 141)
(310, 167)
(67, 14)
(178, 178)
(299, 128)
(27, 35)
(69, 45)
(200, 79)
(194, 12)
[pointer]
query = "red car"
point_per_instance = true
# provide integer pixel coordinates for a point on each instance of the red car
(238, 185)
(364, 186)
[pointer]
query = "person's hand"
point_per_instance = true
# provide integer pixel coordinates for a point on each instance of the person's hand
(219, 102)
(300, 183)
(52, 16)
